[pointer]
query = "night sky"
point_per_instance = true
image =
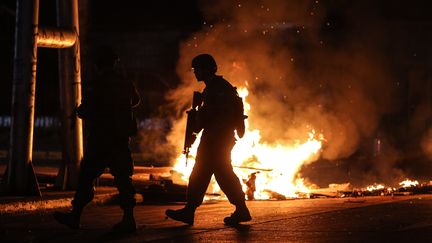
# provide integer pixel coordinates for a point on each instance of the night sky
(186, 17)
(106, 19)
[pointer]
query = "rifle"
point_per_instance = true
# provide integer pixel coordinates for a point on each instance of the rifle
(192, 126)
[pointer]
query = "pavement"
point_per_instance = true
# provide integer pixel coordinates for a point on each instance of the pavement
(105, 192)
(366, 219)
(361, 219)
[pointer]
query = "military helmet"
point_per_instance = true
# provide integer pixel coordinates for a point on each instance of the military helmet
(204, 61)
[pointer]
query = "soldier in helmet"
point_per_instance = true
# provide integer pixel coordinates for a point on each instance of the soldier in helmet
(107, 111)
(217, 117)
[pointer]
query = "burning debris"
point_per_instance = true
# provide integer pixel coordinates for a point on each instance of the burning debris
(406, 187)
(161, 188)
(251, 187)
(171, 188)
(408, 183)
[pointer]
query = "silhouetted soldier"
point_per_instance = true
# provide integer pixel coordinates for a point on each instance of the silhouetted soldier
(217, 117)
(107, 111)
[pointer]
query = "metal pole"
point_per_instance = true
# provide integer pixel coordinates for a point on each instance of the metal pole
(70, 97)
(20, 176)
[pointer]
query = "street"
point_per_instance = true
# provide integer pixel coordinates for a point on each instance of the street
(364, 219)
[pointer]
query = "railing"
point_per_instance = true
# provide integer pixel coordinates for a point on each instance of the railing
(49, 122)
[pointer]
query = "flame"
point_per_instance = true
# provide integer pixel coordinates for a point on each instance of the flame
(276, 165)
(375, 187)
(408, 183)
(405, 184)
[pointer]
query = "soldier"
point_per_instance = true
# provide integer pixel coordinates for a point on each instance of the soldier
(107, 111)
(217, 117)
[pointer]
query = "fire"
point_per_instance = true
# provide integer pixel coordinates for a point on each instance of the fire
(375, 187)
(276, 166)
(404, 184)
(408, 183)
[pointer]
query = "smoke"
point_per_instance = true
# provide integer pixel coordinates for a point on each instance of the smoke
(426, 144)
(152, 142)
(307, 65)
(420, 125)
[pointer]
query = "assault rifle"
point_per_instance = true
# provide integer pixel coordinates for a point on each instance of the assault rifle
(192, 124)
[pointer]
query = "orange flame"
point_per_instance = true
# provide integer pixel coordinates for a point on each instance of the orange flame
(408, 183)
(278, 164)
(375, 187)
(405, 184)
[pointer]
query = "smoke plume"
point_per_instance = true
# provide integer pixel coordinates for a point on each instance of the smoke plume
(307, 65)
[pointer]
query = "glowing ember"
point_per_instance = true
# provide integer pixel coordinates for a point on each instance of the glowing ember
(277, 164)
(408, 183)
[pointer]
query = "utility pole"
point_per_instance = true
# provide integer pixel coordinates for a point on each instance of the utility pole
(20, 177)
(70, 97)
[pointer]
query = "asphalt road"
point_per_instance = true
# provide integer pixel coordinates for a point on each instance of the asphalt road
(366, 219)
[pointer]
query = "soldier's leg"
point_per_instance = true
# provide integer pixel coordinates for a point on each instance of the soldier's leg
(121, 167)
(199, 178)
(230, 185)
(91, 167)
(224, 173)
(198, 183)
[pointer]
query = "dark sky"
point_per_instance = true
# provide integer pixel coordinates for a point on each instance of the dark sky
(105, 17)
(183, 16)
(145, 15)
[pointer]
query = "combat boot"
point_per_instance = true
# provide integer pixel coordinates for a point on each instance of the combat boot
(241, 214)
(70, 219)
(127, 225)
(185, 215)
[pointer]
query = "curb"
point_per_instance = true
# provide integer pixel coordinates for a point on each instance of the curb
(39, 205)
